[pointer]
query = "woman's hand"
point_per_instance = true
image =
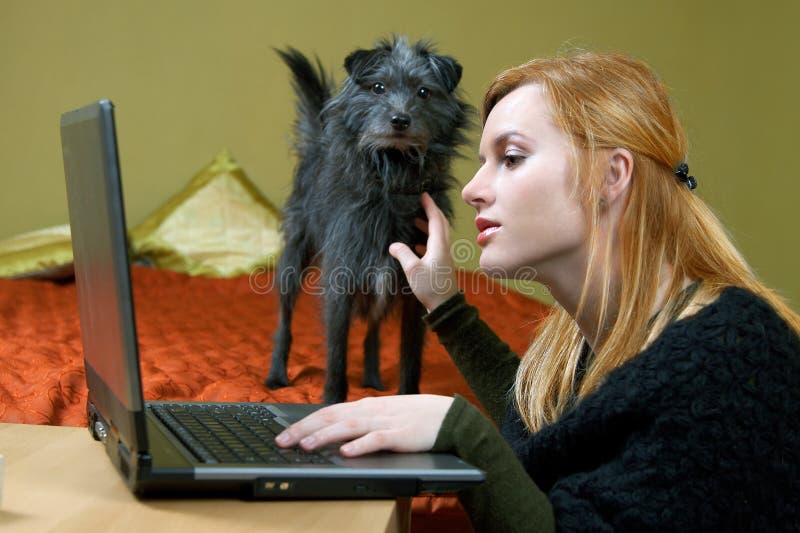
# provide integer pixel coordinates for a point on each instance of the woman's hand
(397, 423)
(431, 277)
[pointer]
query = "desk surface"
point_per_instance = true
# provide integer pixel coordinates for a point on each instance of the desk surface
(59, 479)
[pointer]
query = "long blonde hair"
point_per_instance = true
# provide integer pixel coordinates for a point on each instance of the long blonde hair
(603, 101)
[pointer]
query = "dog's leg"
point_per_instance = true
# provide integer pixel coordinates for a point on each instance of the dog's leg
(338, 308)
(290, 281)
(372, 345)
(412, 338)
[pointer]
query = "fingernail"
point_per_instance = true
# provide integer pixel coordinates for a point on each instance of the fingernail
(283, 438)
(308, 441)
(347, 448)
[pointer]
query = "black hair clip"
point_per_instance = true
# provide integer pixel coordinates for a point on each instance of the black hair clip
(683, 174)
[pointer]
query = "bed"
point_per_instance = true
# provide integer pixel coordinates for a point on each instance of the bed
(208, 337)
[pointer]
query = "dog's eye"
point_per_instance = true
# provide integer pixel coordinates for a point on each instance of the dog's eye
(378, 88)
(424, 93)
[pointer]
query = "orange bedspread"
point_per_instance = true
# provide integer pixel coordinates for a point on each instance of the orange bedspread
(210, 339)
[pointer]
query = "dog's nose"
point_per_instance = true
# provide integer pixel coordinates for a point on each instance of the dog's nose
(401, 121)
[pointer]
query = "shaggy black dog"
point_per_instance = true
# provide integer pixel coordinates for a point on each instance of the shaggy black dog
(365, 157)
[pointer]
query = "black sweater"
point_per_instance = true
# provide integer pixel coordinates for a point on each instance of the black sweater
(700, 431)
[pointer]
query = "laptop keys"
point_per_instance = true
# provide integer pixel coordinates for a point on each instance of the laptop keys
(231, 434)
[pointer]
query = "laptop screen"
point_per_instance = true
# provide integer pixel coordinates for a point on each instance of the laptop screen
(97, 222)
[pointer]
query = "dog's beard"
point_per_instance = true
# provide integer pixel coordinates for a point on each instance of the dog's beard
(389, 159)
(392, 141)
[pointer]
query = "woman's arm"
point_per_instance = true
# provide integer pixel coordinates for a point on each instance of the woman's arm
(508, 500)
(486, 362)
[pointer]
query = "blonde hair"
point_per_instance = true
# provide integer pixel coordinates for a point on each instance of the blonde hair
(603, 101)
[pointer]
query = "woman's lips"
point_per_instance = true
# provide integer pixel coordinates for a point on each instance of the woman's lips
(486, 228)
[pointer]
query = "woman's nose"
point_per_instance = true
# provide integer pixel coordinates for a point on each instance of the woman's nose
(476, 192)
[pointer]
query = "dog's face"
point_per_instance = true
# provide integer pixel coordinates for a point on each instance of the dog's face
(401, 97)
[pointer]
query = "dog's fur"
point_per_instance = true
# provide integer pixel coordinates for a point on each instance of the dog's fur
(365, 157)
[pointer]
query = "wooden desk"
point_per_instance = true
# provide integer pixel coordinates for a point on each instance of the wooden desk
(59, 479)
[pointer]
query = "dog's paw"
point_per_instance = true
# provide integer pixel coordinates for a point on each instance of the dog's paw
(372, 382)
(330, 398)
(408, 389)
(276, 382)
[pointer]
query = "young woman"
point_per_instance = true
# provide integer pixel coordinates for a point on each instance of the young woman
(663, 392)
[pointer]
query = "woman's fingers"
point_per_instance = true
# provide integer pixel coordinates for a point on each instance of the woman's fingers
(408, 260)
(375, 441)
(301, 429)
(399, 423)
(344, 430)
(330, 424)
(438, 227)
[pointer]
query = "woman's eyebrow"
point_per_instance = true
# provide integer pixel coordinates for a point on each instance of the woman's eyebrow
(500, 141)
(503, 138)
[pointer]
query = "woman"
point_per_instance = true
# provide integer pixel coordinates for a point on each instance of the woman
(662, 392)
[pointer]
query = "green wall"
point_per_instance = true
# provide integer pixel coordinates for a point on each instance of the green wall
(191, 77)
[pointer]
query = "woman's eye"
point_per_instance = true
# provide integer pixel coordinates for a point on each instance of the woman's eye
(512, 160)
(424, 93)
(378, 88)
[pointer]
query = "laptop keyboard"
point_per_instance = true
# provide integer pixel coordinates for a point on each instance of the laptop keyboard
(235, 433)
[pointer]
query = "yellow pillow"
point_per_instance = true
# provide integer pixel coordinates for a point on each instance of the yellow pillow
(46, 253)
(218, 225)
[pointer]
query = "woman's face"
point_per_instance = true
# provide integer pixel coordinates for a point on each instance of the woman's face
(529, 215)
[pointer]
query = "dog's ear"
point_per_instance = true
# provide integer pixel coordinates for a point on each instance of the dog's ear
(447, 69)
(358, 62)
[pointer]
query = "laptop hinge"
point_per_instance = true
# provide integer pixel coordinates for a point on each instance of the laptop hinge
(131, 465)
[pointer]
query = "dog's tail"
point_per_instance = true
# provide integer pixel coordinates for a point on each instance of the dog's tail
(313, 88)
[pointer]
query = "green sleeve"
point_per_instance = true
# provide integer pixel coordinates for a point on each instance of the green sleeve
(487, 363)
(508, 500)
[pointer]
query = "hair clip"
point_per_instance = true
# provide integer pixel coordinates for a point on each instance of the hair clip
(683, 174)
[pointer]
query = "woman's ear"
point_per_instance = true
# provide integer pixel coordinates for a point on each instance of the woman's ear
(618, 175)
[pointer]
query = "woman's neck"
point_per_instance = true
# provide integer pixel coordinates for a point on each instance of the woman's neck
(593, 322)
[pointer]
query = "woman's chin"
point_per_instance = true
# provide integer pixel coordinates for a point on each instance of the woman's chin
(492, 269)
(501, 270)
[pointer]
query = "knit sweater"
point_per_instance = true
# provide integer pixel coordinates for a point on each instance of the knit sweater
(698, 432)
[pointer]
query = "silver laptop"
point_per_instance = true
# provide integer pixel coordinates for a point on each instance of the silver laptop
(176, 448)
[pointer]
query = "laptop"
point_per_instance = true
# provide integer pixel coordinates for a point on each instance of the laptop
(192, 448)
